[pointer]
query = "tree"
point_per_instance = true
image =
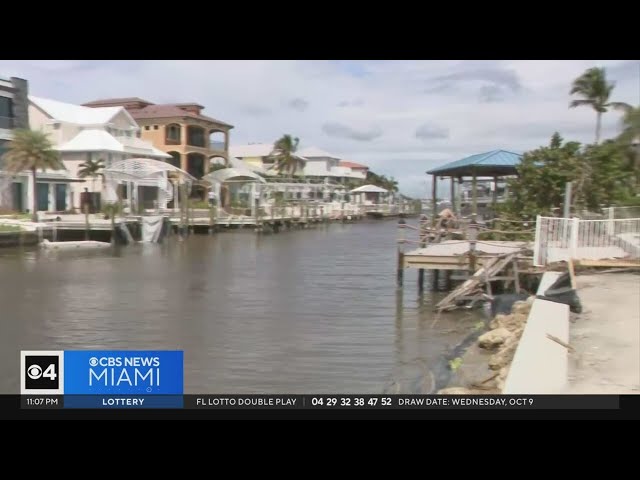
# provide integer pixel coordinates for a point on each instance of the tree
(543, 173)
(284, 154)
(630, 139)
(382, 181)
(595, 91)
(31, 150)
(91, 169)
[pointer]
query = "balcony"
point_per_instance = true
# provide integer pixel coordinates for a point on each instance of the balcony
(7, 123)
(217, 146)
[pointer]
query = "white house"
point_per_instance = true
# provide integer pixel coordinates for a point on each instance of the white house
(315, 163)
(17, 191)
(257, 158)
(81, 134)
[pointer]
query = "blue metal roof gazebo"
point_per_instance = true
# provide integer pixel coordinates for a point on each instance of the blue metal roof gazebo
(497, 163)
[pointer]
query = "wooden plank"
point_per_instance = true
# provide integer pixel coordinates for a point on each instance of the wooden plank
(467, 286)
(608, 263)
(493, 266)
(572, 274)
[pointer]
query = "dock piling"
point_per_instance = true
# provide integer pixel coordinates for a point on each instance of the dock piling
(423, 244)
(87, 227)
(400, 266)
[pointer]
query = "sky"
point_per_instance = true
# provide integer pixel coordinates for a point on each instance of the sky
(399, 117)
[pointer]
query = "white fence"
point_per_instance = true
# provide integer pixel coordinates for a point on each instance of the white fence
(621, 212)
(559, 239)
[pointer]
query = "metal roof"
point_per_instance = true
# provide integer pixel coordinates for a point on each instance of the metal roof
(225, 174)
(369, 189)
(496, 162)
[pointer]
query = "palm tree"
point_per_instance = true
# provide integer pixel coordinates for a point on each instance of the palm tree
(284, 154)
(91, 168)
(630, 138)
(595, 91)
(631, 126)
(391, 184)
(31, 150)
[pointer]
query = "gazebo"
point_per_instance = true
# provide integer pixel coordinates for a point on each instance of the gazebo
(147, 182)
(368, 194)
(494, 164)
(235, 184)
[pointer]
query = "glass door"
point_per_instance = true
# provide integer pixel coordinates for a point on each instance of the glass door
(61, 197)
(43, 197)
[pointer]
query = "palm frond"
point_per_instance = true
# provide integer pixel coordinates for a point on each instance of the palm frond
(580, 103)
(625, 107)
(31, 150)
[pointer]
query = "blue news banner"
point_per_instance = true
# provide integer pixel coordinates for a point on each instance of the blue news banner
(102, 379)
(154, 379)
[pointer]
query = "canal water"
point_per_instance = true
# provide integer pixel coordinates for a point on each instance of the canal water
(303, 311)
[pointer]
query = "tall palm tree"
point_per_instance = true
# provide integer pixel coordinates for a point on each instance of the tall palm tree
(31, 150)
(595, 91)
(630, 137)
(91, 168)
(391, 184)
(630, 126)
(284, 154)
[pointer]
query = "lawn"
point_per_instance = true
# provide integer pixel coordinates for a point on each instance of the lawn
(9, 228)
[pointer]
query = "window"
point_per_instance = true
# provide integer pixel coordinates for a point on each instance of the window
(155, 127)
(56, 126)
(172, 134)
(147, 127)
(89, 155)
(195, 136)
(6, 112)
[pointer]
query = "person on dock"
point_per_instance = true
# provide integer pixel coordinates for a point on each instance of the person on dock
(446, 219)
(212, 198)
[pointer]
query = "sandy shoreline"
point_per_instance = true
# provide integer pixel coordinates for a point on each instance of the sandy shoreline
(606, 335)
(605, 338)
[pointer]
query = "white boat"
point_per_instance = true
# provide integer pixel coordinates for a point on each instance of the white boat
(73, 245)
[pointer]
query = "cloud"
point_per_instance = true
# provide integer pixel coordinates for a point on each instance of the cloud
(485, 105)
(299, 104)
(344, 131)
(504, 80)
(427, 131)
(351, 103)
(256, 110)
(492, 93)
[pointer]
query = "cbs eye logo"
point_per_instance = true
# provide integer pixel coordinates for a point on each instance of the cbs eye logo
(41, 372)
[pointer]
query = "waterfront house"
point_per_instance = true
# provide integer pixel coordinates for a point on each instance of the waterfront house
(193, 140)
(323, 165)
(17, 191)
(357, 170)
(257, 158)
(82, 134)
(314, 164)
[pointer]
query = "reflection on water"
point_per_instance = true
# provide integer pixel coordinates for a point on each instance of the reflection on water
(311, 311)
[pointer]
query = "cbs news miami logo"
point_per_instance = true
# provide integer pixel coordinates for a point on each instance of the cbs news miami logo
(102, 372)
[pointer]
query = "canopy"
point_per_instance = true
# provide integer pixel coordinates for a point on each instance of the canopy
(495, 163)
(369, 189)
(225, 174)
(139, 168)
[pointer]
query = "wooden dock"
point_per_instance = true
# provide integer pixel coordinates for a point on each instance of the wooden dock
(456, 254)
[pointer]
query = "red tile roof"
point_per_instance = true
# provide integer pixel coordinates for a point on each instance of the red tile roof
(352, 165)
(115, 102)
(151, 110)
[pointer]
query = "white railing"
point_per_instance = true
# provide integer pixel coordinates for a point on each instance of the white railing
(621, 212)
(561, 239)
